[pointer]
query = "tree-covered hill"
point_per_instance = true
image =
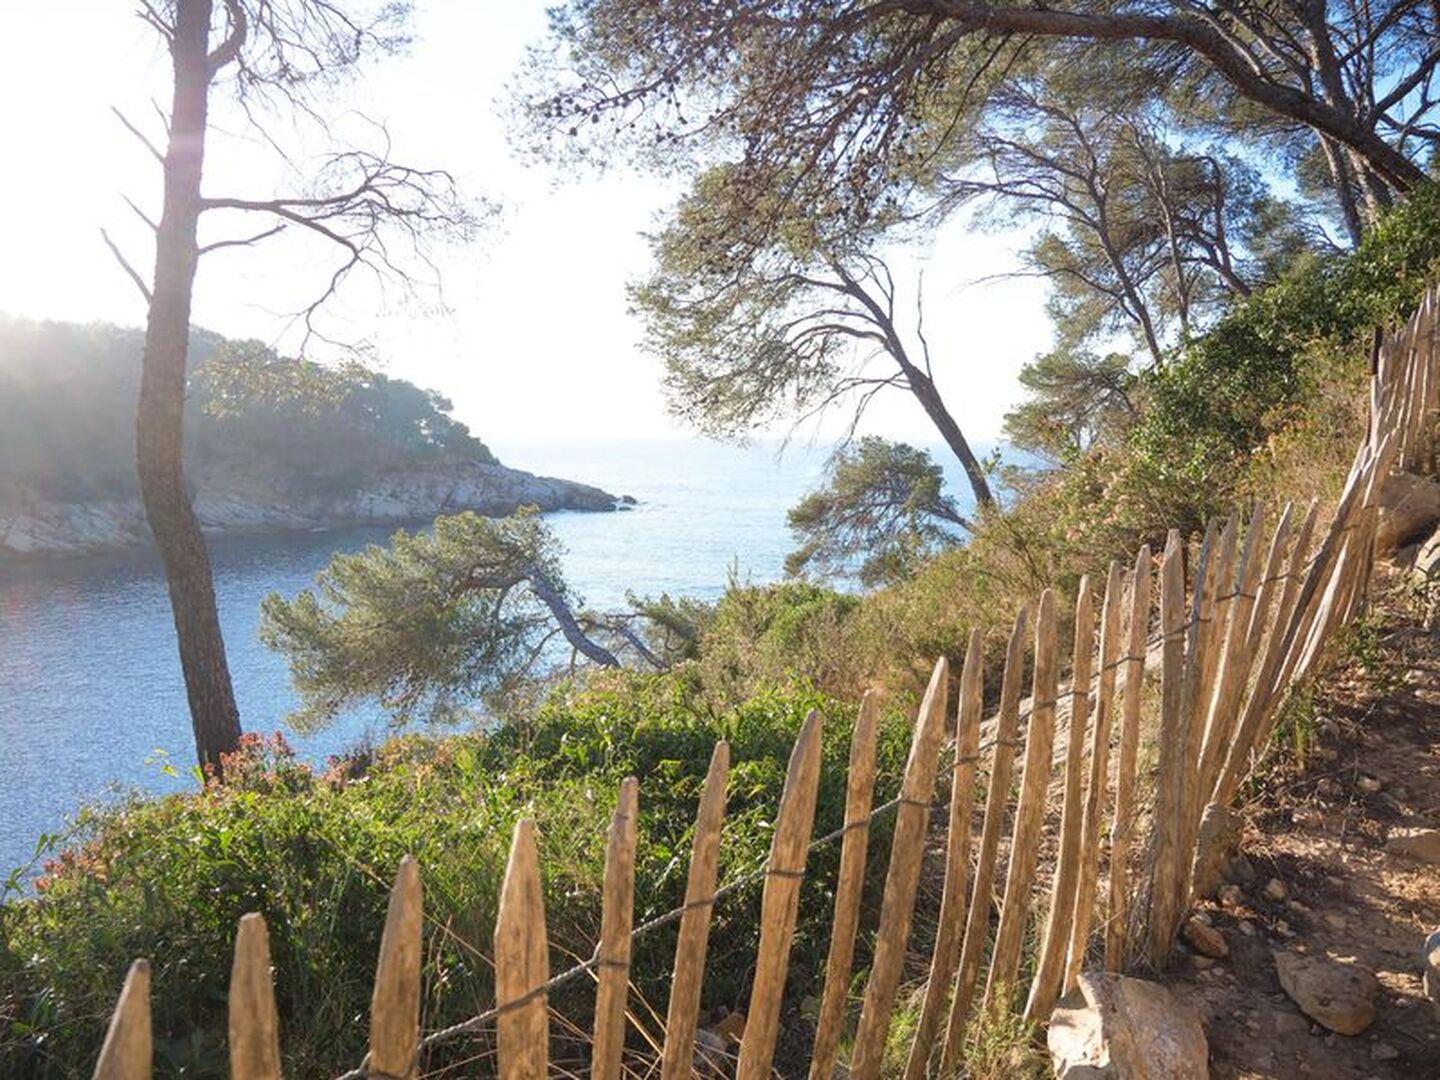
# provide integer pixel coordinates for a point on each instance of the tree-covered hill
(67, 415)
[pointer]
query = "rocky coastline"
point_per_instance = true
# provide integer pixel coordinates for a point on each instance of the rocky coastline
(33, 526)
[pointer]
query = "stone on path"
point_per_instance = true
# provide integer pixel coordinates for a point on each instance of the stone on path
(1409, 510)
(1427, 559)
(1422, 845)
(1204, 939)
(1117, 1028)
(1338, 994)
(1215, 844)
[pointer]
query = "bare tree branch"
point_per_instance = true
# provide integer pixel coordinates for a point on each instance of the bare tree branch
(145, 142)
(125, 265)
(248, 241)
(140, 213)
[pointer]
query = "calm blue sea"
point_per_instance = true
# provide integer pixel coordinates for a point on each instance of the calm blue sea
(91, 698)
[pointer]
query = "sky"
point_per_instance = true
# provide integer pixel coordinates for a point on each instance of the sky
(529, 335)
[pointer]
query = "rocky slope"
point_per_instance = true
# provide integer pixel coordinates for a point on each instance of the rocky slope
(32, 526)
(1327, 965)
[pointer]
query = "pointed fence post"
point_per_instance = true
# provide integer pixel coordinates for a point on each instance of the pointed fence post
(781, 902)
(916, 790)
(128, 1050)
(395, 1001)
(977, 917)
(254, 1027)
(1084, 906)
(1237, 654)
(1342, 574)
(1122, 828)
(1050, 967)
(1169, 827)
(522, 964)
(1202, 649)
(859, 797)
(683, 1014)
(616, 919)
(1310, 602)
(1253, 730)
(1268, 588)
(954, 895)
(1029, 813)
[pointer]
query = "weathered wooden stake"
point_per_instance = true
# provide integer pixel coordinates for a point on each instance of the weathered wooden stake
(1169, 826)
(1122, 829)
(128, 1050)
(1030, 813)
(1212, 575)
(683, 1015)
(954, 896)
(859, 796)
(1099, 778)
(616, 918)
(781, 902)
(901, 879)
(395, 1001)
(522, 963)
(1050, 968)
(254, 1028)
(977, 920)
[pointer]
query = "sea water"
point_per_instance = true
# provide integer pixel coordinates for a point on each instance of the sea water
(91, 698)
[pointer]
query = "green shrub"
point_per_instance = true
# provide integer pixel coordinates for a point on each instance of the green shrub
(169, 878)
(769, 635)
(1254, 372)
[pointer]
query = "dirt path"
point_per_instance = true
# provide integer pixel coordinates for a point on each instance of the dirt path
(1319, 828)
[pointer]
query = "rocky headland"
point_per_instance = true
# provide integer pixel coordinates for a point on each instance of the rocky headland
(34, 526)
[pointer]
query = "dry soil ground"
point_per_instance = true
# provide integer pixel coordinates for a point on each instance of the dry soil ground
(1318, 823)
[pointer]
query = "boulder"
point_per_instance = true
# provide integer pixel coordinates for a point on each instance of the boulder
(1204, 938)
(1215, 845)
(1337, 994)
(1426, 565)
(1117, 1028)
(1422, 845)
(1409, 510)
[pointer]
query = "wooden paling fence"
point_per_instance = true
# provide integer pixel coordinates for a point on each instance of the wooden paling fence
(1260, 608)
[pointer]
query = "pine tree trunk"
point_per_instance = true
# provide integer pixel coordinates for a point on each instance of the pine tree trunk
(159, 424)
(928, 395)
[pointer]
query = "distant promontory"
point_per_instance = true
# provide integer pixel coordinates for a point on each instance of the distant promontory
(272, 445)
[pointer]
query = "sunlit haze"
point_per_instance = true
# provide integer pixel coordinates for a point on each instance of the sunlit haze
(533, 338)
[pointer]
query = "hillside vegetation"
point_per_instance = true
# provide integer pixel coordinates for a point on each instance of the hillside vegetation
(67, 416)
(1266, 406)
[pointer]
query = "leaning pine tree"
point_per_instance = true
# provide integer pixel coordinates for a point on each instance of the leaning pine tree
(272, 55)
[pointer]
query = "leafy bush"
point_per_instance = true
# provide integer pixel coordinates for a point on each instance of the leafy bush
(770, 635)
(1265, 404)
(1254, 373)
(168, 879)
